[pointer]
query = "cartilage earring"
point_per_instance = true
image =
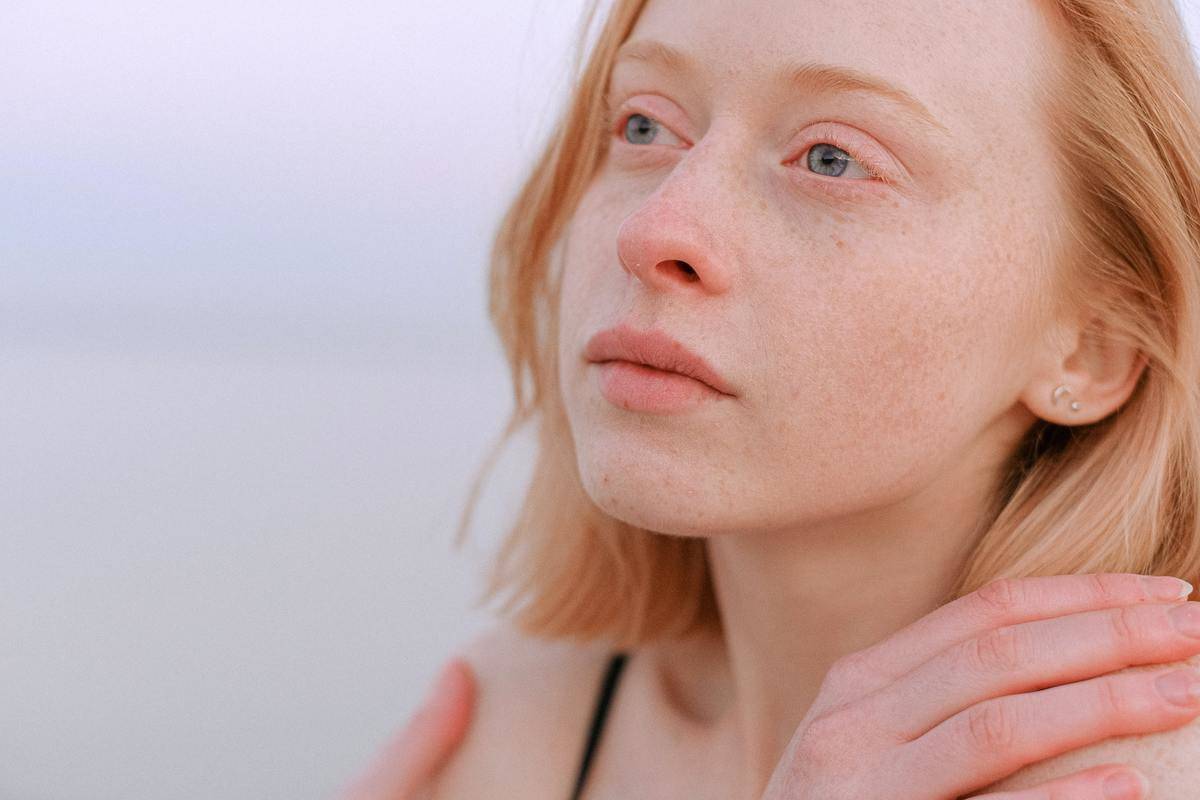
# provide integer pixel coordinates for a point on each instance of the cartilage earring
(1059, 392)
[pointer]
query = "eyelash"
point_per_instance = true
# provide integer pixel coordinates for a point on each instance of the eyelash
(617, 115)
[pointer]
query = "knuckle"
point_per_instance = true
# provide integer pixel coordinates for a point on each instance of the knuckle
(998, 651)
(1000, 596)
(1111, 697)
(824, 737)
(990, 727)
(1112, 588)
(1125, 624)
(844, 673)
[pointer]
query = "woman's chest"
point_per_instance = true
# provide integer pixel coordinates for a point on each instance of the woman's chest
(644, 752)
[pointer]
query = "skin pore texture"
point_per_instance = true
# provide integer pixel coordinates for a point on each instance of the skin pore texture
(886, 332)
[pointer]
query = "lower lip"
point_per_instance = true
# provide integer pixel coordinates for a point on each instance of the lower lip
(636, 387)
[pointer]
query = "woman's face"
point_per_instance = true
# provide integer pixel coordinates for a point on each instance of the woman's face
(865, 275)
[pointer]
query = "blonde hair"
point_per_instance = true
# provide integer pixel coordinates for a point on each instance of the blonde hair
(1119, 495)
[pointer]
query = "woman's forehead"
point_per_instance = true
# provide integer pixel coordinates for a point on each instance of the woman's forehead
(950, 62)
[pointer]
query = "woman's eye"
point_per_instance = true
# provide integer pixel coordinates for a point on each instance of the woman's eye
(825, 159)
(640, 129)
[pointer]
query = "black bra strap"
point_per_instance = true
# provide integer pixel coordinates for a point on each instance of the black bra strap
(615, 664)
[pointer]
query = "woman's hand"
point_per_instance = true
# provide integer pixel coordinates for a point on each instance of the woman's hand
(412, 758)
(993, 681)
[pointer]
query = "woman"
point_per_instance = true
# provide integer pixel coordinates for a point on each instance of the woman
(864, 344)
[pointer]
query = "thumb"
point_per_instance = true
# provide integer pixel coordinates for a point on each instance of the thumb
(418, 751)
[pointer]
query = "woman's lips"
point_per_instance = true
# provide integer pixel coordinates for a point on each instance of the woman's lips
(651, 371)
(657, 349)
(637, 387)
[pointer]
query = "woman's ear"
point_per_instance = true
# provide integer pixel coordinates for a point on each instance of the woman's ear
(1084, 373)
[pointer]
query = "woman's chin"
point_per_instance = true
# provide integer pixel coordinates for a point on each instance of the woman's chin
(651, 511)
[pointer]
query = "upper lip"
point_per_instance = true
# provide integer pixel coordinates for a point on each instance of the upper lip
(653, 348)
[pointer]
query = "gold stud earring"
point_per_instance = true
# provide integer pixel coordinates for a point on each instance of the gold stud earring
(1059, 392)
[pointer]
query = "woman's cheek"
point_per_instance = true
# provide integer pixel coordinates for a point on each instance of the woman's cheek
(589, 294)
(882, 355)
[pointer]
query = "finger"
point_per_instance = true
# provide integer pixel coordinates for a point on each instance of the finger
(1029, 656)
(997, 737)
(1105, 782)
(417, 752)
(1004, 601)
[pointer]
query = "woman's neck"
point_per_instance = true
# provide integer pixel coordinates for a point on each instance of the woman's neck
(793, 603)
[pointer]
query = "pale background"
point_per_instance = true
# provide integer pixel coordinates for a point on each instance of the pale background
(247, 375)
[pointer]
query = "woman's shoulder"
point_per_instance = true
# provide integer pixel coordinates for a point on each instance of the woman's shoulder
(533, 702)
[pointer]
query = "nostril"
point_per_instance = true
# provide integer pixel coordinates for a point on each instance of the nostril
(673, 266)
(687, 270)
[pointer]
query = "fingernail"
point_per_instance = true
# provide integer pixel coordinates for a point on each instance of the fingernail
(1166, 588)
(1181, 687)
(1186, 619)
(1124, 786)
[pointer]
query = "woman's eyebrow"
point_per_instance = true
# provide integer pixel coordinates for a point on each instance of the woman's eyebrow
(811, 75)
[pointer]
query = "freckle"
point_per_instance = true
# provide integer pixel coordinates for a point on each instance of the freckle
(840, 243)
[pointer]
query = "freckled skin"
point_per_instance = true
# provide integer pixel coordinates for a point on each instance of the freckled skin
(876, 341)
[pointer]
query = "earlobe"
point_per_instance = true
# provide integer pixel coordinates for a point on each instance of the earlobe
(1091, 382)
(1058, 404)
(1062, 391)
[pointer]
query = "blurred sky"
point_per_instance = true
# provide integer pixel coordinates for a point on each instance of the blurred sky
(247, 376)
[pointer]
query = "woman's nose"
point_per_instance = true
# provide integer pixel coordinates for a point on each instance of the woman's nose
(672, 242)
